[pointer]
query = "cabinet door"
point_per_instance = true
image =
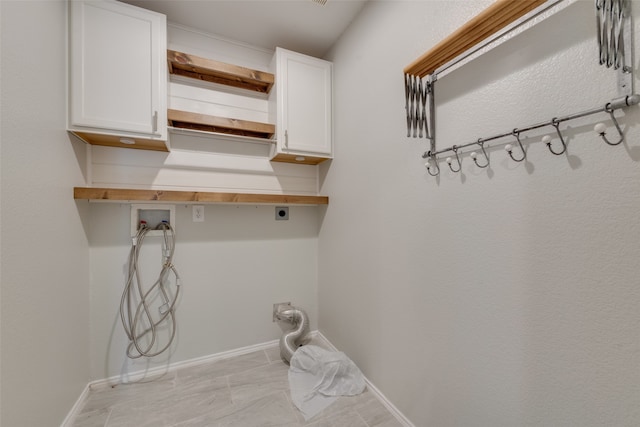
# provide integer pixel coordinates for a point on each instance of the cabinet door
(305, 103)
(117, 68)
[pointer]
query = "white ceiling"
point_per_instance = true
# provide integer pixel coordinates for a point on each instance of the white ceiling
(301, 25)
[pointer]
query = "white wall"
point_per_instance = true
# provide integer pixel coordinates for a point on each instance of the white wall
(501, 297)
(204, 162)
(234, 266)
(45, 252)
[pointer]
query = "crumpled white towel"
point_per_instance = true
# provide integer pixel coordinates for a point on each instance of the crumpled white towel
(318, 376)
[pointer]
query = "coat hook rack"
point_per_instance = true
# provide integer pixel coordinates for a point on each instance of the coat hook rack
(613, 19)
(600, 128)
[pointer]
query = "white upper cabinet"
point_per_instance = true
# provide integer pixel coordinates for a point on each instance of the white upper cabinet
(118, 74)
(303, 104)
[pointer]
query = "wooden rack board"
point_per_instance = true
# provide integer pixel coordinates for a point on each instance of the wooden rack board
(491, 20)
(170, 196)
(207, 123)
(195, 67)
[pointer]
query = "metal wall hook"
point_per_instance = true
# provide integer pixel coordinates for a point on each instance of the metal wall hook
(431, 158)
(474, 155)
(509, 148)
(547, 139)
(600, 128)
(450, 160)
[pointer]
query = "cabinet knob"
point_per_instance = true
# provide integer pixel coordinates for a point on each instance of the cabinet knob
(155, 122)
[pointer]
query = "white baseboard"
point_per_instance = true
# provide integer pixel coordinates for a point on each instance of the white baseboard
(381, 397)
(390, 406)
(161, 370)
(75, 410)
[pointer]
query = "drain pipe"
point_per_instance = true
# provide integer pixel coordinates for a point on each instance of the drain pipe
(290, 340)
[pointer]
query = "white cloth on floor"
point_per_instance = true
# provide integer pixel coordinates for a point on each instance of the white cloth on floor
(318, 376)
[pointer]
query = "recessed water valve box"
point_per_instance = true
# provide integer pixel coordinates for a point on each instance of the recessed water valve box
(152, 215)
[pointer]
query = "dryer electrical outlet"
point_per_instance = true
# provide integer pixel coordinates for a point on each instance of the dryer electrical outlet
(282, 213)
(153, 215)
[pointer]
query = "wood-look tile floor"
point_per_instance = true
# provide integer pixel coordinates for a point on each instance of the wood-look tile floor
(250, 390)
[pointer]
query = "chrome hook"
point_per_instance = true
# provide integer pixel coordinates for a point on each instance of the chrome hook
(600, 128)
(547, 139)
(509, 148)
(450, 160)
(430, 157)
(474, 155)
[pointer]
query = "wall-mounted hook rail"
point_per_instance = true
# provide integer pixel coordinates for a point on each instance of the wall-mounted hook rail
(489, 29)
(610, 107)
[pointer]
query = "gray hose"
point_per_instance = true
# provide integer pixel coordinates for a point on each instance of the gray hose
(139, 322)
(290, 340)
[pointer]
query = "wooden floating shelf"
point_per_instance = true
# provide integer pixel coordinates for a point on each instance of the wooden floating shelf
(207, 123)
(195, 67)
(488, 22)
(299, 159)
(170, 196)
(117, 141)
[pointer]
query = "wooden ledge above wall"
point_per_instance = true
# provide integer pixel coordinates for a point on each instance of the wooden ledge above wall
(171, 196)
(195, 67)
(491, 20)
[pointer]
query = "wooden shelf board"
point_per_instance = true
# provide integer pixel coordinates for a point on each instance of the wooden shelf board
(115, 141)
(199, 68)
(207, 123)
(298, 159)
(491, 20)
(171, 196)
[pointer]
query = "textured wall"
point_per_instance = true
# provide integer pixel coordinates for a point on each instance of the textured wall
(45, 253)
(234, 266)
(504, 296)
